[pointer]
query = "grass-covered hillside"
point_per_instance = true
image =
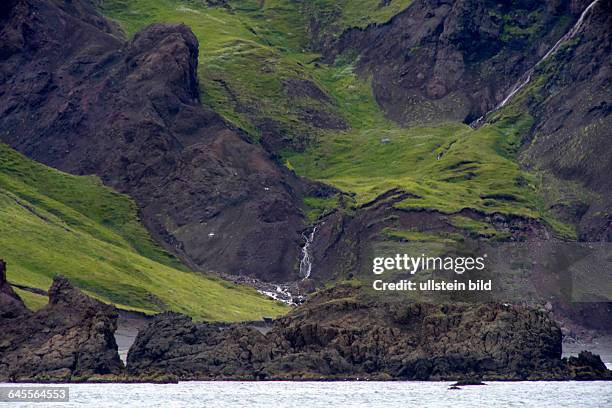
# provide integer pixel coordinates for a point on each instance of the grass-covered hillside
(55, 223)
(252, 55)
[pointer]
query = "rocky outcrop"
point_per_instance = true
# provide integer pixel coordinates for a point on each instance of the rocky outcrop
(11, 305)
(75, 95)
(342, 334)
(587, 366)
(70, 339)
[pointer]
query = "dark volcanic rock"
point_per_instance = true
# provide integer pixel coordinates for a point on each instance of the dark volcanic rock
(462, 383)
(570, 137)
(11, 304)
(587, 366)
(72, 338)
(342, 334)
(454, 60)
(76, 96)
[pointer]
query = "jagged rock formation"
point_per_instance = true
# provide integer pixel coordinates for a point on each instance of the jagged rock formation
(76, 96)
(70, 339)
(11, 305)
(342, 334)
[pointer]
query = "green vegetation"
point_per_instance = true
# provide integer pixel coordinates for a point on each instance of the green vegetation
(520, 26)
(477, 229)
(447, 167)
(336, 16)
(515, 31)
(55, 223)
(247, 55)
(551, 192)
(316, 207)
(32, 301)
(417, 236)
(250, 50)
(251, 55)
(469, 174)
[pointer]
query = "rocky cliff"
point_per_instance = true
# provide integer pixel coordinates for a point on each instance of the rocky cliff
(441, 60)
(74, 94)
(569, 100)
(342, 334)
(454, 60)
(77, 95)
(70, 339)
(11, 305)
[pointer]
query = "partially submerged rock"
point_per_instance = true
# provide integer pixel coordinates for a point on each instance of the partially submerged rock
(342, 334)
(70, 339)
(587, 366)
(467, 381)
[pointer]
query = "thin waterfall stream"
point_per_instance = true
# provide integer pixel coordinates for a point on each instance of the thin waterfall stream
(306, 260)
(526, 77)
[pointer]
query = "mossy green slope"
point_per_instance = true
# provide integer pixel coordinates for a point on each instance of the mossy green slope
(448, 167)
(33, 301)
(249, 48)
(246, 51)
(55, 223)
(333, 17)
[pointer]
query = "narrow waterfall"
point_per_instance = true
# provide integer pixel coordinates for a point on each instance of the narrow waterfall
(526, 77)
(306, 260)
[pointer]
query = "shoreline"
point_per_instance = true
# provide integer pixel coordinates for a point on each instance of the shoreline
(485, 381)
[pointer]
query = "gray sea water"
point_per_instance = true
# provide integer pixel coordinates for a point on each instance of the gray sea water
(336, 395)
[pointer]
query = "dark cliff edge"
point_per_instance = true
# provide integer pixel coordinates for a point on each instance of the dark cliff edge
(70, 339)
(75, 95)
(342, 334)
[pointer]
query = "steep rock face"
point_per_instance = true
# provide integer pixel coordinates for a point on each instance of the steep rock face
(11, 305)
(572, 113)
(76, 96)
(339, 334)
(71, 338)
(344, 242)
(454, 60)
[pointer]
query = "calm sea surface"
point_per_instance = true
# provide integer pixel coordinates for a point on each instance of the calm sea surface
(336, 395)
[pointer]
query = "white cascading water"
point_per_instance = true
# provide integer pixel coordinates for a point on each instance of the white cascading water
(306, 261)
(526, 77)
(281, 294)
